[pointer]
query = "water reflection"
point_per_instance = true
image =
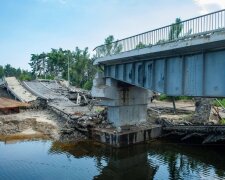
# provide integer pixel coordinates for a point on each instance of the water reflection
(88, 160)
(188, 162)
(112, 163)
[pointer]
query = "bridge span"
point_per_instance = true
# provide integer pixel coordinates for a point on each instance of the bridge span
(186, 58)
(182, 59)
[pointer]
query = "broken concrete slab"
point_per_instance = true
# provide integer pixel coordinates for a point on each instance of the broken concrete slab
(16, 88)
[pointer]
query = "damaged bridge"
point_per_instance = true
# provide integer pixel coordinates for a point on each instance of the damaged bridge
(188, 64)
(182, 59)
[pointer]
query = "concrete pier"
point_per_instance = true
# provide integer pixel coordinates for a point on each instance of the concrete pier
(127, 104)
(127, 112)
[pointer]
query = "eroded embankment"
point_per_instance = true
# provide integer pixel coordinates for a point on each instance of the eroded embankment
(29, 123)
(50, 124)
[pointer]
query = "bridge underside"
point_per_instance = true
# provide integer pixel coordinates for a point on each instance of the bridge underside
(174, 71)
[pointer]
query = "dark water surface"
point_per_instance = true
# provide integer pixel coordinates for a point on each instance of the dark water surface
(87, 160)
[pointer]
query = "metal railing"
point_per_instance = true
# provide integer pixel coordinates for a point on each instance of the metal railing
(179, 30)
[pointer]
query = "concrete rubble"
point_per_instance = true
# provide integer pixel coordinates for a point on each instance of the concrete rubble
(185, 126)
(16, 88)
(72, 117)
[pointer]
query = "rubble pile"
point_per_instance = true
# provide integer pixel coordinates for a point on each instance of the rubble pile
(79, 96)
(77, 126)
(85, 121)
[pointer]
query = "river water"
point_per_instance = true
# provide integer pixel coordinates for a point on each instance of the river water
(87, 160)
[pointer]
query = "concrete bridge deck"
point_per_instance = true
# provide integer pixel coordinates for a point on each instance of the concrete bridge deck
(16, 88)
(42, 91)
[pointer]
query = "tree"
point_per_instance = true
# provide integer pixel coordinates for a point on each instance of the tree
(38, 64)
(26, 76)
(1, 71)
(82, 68)
(9, 71)
(110, 47)
(57, 62)
(175, 29)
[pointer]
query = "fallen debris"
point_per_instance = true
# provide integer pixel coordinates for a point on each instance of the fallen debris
(8, 106)
(16, 88)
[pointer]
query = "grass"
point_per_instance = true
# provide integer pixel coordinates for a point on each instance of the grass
(99, 109)
(222, 121)
(222, 101)
(164, 97)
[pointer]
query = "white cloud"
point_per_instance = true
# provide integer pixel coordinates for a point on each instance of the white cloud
(207, 6)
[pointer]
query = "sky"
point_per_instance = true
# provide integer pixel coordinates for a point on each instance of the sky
(35, 26)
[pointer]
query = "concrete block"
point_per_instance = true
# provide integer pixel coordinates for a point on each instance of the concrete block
(129, 137)
(127, 115)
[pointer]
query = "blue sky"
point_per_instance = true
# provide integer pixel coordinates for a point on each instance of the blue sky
(35, 26)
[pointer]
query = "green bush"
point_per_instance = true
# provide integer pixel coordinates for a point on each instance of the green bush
(222, 121)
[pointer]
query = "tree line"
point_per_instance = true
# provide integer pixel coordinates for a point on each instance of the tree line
(75, 66)
(19, 73)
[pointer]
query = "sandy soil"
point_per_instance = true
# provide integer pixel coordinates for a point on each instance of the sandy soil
(185, 105)
(40, 116)
(29, 123)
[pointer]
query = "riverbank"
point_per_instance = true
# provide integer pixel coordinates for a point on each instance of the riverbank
(51, 124)
(29, 124)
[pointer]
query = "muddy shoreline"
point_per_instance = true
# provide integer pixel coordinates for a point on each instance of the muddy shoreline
(32, 124)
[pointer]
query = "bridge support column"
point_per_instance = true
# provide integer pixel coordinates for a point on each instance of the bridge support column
(127, 104)
(127, 111)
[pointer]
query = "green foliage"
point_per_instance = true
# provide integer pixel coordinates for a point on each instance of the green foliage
(1, 71)
(222, 121)
(26, 76)
(82, 70)
(110, 47)
(56, 63)
(88, 85)
(8, 71)
(140, 46)
(175, 29)
(51, 64)
(164, 97)
(216, 103)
